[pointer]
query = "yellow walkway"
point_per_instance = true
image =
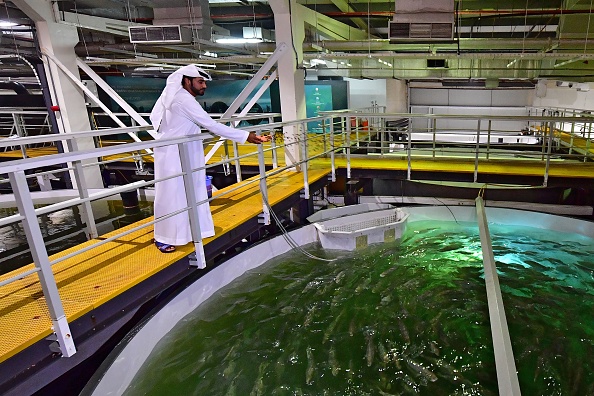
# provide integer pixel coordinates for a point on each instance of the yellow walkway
(98, 275)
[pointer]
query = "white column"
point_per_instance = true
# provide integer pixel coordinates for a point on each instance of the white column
(396, 96)
(59, 40)
(289, 29)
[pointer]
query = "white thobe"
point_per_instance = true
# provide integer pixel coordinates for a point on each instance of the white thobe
(184, 117)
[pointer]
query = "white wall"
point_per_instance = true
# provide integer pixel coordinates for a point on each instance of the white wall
(363, 92)
(565, 97)
(471, 97)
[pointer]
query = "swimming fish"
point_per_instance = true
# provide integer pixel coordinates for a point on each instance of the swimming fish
(381, 349)
(422, 371)
(352, 327)
(229, 369)
(403, 331)
(363, 285)
(333, 362)
(309, 316)
(339, 277)
(369, 354)
(258, 389)
(434, 348)
(330, 330)
(309, 373)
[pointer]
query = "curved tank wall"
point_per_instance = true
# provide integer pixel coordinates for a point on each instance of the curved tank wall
(125, 364)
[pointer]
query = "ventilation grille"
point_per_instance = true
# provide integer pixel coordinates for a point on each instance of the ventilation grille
(421, 31)
(158, 34)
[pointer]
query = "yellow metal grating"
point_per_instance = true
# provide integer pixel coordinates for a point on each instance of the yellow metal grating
(90, 279)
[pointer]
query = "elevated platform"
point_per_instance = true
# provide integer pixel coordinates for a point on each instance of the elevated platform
(104, 287)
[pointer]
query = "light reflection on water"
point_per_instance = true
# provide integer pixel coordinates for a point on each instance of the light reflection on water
(400, 318)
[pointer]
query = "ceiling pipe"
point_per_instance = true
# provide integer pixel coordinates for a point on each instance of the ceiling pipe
(390, 14)
(482, 12)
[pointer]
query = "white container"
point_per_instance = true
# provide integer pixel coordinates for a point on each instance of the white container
(348, 210)
(360, 230)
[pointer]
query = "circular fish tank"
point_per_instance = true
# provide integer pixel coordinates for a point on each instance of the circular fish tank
(403, 317)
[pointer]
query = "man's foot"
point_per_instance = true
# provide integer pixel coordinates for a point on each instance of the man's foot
(164, 248)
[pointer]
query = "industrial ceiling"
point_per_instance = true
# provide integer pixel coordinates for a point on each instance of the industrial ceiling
(494, 40)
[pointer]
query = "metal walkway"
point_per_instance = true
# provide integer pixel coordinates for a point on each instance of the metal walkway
(87, 281)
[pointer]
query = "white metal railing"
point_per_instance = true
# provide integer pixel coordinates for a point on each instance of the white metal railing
(443, 136)
(27, 213)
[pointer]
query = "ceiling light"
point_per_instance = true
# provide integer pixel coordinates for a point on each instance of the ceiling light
(5, 24)
(238, 40)
(317, 61)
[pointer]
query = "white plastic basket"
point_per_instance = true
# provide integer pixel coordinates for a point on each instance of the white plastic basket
(360, 230)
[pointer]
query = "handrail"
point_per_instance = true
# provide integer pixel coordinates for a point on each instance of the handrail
(28, 214)
(507, 376)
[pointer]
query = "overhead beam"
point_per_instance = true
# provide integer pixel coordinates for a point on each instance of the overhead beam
(345, 6)
(330, 27)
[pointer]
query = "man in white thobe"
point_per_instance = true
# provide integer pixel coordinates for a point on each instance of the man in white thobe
(176, 114)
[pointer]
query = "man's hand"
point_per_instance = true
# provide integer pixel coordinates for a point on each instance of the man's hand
(255, 139)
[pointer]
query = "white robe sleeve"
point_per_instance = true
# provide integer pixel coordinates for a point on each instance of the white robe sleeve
(189, 108)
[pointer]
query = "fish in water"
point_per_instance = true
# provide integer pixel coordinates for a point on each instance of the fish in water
(339, 277)
(381, 349)
(403, 331)
(363, 285)
(421, 371)
(309, 316)
(330, 330)
(333, 362)
(258, 389)
(434, 348)
(369, 354)
(309, 373)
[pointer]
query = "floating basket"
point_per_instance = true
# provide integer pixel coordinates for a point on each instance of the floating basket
(360, 230)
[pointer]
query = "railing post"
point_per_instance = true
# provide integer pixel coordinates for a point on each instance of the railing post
(273, 145)
(305, 161)
(237, 165)
(263, 186)
(333, 164)
(83, 193)
(20, 130)
(434, 127)
(489, 138)
(184, 155)
(550, 144)
(478, 148)
(348, 148)
(409, 150)
(588, 141)
(325, 146)
(24, 203)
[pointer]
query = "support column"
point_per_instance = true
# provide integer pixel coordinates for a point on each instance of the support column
(59, 40)
(290, 29)
(396, 96)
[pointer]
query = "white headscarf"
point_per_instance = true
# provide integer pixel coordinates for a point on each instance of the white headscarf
(172, 86)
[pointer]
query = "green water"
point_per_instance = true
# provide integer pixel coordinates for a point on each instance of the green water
(400, 318)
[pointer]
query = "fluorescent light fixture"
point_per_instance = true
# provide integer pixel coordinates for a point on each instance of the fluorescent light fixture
(238, 40)
(566, 62)
(5, 24)
(510, 64)
(317, 61)
(211, 54)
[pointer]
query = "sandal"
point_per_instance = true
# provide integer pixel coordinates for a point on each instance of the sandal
(164, 248)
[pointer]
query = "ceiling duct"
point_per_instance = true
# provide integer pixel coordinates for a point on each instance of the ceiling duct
(422, 20)
(159, 34)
